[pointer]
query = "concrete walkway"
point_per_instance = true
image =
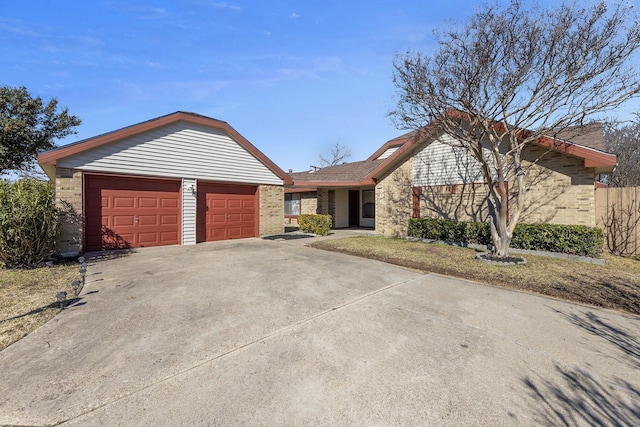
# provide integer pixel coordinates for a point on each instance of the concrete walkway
(259, 332)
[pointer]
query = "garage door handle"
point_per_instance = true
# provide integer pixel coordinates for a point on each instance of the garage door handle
(136, 219)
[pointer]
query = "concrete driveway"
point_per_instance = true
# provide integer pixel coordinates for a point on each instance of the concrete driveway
(258, 332)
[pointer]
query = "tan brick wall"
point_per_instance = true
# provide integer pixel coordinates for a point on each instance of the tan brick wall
(394, 201)
(455, 202)
(561, 189)
(308, 203)
(271, 209)
(69, 200)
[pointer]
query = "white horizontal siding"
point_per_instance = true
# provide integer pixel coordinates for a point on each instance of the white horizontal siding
(441, 163)
(181, 149)
(189, 207)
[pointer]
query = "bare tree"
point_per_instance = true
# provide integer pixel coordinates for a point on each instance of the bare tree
(339, 153)
(511, 76)
(623, 139)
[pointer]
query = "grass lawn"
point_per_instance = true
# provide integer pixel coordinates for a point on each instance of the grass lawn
(28, 298)
(615, 285)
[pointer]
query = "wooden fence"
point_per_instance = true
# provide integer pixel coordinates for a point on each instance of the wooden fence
(618, 214)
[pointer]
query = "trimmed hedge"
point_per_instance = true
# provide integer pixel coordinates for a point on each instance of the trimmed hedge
(568, 239)
(315, 223)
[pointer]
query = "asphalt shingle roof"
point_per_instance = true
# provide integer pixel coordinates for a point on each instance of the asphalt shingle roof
(590, 135)
(354, 171)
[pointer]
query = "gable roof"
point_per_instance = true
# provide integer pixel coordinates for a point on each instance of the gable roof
(587, 143)
(51, 157)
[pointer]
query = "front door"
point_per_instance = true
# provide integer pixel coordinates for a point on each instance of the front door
(354, 208)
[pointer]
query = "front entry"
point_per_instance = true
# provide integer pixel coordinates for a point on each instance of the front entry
(354, 208)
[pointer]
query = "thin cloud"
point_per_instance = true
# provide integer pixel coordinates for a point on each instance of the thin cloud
(142, 11)
(17, 28)
(294, 16)
(216, 4)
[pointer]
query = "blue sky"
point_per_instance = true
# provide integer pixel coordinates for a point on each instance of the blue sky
(293, 77)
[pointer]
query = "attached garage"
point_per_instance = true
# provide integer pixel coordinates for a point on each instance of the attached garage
(177, 179)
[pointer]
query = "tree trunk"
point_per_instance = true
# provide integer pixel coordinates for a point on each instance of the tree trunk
(501, 237)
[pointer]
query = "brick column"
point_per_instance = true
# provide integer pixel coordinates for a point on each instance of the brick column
(271, 209)
(69, 199)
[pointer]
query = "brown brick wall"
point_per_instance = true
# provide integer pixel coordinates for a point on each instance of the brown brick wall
(394, 201)
(323, 201)
(69, 198)
(271, 209)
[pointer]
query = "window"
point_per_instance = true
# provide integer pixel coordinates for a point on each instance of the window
(368, 204)
(292, 204)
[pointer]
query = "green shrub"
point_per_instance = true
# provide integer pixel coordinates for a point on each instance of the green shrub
(315, 223)
(569, 239)
(28, 222)
(450, 231)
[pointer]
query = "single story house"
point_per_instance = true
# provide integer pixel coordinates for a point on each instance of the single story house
(182, 178)
(423, 175)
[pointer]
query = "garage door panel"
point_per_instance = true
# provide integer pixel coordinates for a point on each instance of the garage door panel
(234, 204)
(169, 235)
(148, 202)
(148, 220)
(131, 212)
(215, 203)
(233, 217)
(169, 220)
(121, 202)
(148, 239)
(169, 203)
(121, 220)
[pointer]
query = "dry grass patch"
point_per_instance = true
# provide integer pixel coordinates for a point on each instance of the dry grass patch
(28, 298)
(614, 285)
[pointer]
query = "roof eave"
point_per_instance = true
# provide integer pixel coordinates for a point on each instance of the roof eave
(592, 158)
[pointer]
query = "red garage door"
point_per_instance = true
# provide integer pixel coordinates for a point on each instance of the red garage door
(131, 212)
(226, 212)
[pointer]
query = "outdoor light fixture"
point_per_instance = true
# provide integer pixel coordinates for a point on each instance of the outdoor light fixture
(83, 273)
(60, 297)
(76, 286)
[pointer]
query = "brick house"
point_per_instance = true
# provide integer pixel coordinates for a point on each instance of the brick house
(412, 176)
(182, 178)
